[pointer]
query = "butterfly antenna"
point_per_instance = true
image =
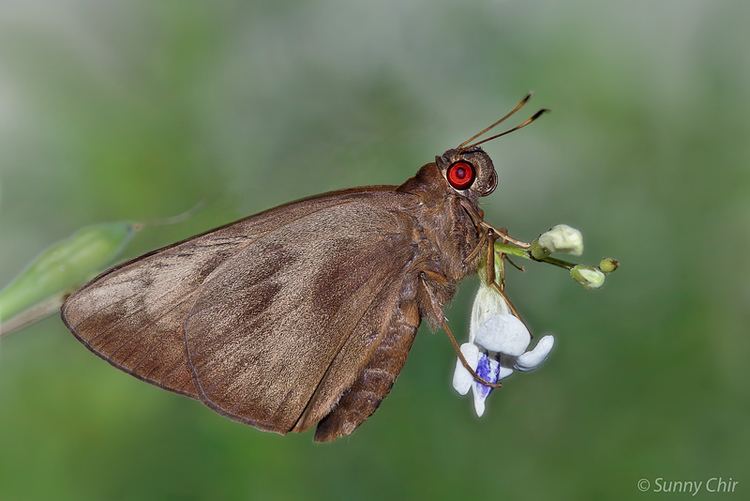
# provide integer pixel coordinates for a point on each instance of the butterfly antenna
(497, 122)
(523, 124)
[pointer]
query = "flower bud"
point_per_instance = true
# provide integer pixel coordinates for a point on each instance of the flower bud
(588, 276)
(537, 251)
(562, 238)
(609, 264)
(65, 265)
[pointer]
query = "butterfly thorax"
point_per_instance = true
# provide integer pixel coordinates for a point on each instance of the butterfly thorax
(445, 234)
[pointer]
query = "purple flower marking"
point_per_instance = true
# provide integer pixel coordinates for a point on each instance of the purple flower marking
(489, 370)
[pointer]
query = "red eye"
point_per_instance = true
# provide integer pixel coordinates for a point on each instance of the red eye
(461, 175)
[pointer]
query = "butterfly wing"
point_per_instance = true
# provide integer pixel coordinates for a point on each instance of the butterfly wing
(373, 382)
(277, 334)
(281, 313)
(132, 315)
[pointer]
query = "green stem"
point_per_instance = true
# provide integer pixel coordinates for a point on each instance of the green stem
(514, 250)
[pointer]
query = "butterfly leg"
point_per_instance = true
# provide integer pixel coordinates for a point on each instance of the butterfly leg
(499, 286)
(490, 263)
(478, 219)
(503, 233)
(480, 245)
(438, 315)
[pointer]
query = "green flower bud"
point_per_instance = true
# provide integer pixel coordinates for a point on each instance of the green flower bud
(588, 276)
(537, 251)
(609, 264)
(64, 266)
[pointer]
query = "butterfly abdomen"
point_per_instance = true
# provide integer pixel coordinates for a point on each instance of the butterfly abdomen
(374, 382)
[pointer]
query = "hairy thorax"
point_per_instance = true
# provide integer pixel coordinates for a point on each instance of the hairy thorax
(444, 239)
(447, 239)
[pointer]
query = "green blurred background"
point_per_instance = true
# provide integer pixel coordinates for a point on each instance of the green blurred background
(140, 109)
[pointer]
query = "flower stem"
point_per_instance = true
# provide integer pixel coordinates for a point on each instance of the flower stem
(514, 250)
(511, 249)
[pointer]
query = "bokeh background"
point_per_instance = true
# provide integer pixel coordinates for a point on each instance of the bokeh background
(139, 110)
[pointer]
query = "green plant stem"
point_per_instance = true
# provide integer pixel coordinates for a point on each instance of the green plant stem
(514, 250)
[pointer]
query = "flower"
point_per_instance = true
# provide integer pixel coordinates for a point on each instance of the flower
(497, 346)
(588, 276)
(560, 238)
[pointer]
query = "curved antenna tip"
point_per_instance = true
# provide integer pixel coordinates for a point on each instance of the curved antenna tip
(518, 106)
(523, 124)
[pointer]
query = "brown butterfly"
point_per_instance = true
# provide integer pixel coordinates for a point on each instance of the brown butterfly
(303, 314)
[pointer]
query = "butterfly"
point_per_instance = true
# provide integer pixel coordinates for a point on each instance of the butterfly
(302, 315)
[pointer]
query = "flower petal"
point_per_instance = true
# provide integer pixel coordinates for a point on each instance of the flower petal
(505, 372)
(534, 358)
(462, 378)
(503, 333)
(487, 303)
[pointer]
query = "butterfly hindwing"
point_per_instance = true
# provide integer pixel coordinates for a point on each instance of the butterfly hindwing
(374, 380)
(299, 310)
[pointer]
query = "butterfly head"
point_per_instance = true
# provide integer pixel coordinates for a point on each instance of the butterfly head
(467, 168)
(468, 172)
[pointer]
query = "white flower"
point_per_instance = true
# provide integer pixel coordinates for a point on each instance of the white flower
(494, 327)
(562, 238)
(503, 333)
(497, 345)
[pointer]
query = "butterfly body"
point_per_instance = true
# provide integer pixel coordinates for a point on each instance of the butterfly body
(301, 315)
